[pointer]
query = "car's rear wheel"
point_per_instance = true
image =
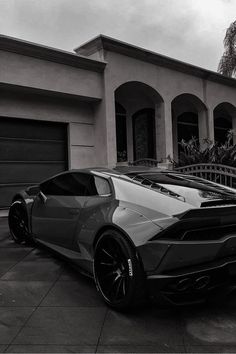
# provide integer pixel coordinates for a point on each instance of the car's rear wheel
(18, 222)
(118, 273)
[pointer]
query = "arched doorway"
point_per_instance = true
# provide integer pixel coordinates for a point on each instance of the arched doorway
(144, 134)
(223, 121)
(221, 129)
(187, 128)
(142, 108)
(189, 116)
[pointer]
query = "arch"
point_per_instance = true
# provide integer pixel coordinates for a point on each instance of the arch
(189, 102)
(142, 105)
(135, 88)
(224, 120)
(189, 119)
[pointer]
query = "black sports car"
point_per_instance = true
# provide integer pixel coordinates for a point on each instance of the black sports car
(137, 232)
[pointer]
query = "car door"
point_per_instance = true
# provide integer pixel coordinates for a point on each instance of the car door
(57, 208)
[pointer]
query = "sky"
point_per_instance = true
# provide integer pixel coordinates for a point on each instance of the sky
(188, 30)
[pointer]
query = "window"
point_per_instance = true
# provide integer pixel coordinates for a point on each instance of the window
(66, 184)
(77, 184)
(102, 186)
(144, 134)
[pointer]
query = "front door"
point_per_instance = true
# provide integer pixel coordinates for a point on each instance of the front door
(56, 217)
(144, 134)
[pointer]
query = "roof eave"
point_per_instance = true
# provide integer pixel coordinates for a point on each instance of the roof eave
(124, 48)
(38, 51)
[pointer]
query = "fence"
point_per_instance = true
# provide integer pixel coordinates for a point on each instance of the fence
(145, 162)
(222, 174)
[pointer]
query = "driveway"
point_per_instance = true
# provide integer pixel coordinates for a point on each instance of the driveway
(45, 306)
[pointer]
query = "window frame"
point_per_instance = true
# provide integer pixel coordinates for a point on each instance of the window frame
(48, 181)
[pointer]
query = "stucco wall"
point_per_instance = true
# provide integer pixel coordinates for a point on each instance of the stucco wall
(78, 115)
(31, 72)
(168, 84)
(39, 89)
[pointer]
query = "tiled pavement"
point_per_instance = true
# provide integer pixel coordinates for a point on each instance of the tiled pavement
(47, 307)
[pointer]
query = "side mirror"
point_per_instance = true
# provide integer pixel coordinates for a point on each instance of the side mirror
(42, 196)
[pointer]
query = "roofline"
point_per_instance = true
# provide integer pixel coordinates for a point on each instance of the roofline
(108, 43)
(39, 51)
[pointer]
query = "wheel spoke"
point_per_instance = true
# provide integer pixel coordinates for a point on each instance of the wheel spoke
(108, 254)
(113, 286)
(118, 288)
(112, 271)
(124, 286)
(107, 264)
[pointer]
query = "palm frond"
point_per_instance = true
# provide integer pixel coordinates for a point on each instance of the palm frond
(227, 64)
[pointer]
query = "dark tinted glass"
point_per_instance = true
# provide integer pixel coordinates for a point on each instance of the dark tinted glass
(78, 184)
(68, 184)
(102, 185)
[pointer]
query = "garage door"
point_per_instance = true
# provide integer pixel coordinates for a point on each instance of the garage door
(30, 151)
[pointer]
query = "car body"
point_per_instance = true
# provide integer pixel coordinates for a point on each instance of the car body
(138, 231)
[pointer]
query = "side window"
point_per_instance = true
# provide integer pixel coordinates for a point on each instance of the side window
(67, 184)
(98, 186)
(78, 184)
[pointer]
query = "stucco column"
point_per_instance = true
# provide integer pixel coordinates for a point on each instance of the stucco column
(175, 137)
(159, 129)
(202, 127)
(211, 134)
(166, 138)
(111, 130)
(105, 132)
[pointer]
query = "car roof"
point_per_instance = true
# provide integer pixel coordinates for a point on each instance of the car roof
(120, 171)
(149, 175)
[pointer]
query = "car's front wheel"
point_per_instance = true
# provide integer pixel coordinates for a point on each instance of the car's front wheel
(18, 222)
(118, 273)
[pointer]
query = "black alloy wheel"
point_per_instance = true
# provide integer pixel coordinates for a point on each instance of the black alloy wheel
(18, 223)
(118, 273)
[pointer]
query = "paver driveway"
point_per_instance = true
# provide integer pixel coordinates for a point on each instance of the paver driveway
(45, 306)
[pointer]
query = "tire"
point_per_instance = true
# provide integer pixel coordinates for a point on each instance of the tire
(118, 273)
(18, 223)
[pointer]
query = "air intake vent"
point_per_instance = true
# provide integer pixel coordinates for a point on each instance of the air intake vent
(209, 234)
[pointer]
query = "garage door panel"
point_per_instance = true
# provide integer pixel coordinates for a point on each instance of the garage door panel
(7, 193)
(30, 129)
(29, 172)
(25, 150)
(30, 151)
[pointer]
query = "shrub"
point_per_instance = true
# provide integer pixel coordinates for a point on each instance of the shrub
(191, 152)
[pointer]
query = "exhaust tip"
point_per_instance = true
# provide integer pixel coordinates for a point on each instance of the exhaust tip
(202, 282)
(184, 284)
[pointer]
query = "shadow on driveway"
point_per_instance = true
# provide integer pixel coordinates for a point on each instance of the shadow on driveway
(47, 307)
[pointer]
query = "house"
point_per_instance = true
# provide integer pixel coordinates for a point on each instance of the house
(107, 103)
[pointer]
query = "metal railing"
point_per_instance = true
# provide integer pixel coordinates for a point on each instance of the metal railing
(145, 162)
(221, 174)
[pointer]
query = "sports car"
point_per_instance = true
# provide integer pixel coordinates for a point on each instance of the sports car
(139, 232)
